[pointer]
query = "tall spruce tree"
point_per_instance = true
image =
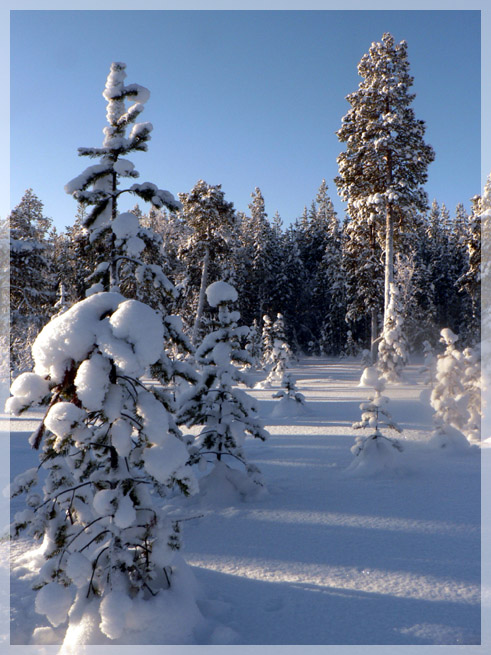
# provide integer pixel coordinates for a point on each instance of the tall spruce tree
(211, 220)
(385, 164)
(470, 280)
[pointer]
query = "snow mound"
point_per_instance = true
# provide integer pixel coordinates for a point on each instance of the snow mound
(224, 486)
(288, 408)
(449, 439)
(220, 292)
(375, 455)
(170, 617)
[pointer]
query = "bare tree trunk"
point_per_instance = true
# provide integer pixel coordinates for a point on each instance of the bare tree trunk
(389, 236)
(389, 258)
(374, 336)
(114, 263)
(201, 300)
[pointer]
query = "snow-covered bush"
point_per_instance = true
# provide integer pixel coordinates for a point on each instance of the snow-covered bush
(428, 370)
(109, 459)
(227, 414)
(375, 452)
(456, 394)
(392, 349)
(366, 358)
(291, 401)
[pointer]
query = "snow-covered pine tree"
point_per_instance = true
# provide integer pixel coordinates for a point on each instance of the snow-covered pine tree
(444, 258)
(262, 282)
(121, 244)
(330, 284)
(254, 345)
(4, 303)
(485, 216)
(470, 280)
(416, 291)
(32, 283)
(292, 294)
(210, 220)
(109, 446)
(109, 457)
(267, 340)
(392, 347)
(385, 164)
(279, 333)
(227, 414)
(75, 257)
(375, 452)
(61, 304)
(361, 262)
(274, 343)
(280, 357)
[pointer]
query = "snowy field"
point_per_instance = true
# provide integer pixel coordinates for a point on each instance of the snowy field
(326, 556)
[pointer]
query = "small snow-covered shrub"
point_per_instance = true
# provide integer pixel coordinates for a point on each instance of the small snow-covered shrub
(375, 452)
(456, 394)
(428, 370)
(291, 401)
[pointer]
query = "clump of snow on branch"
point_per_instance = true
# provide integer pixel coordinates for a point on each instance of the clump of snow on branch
(220, 292)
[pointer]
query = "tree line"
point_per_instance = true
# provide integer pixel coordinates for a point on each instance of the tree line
(312, 271)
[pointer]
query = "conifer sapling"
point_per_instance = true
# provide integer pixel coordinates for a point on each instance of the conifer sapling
(374, 452)
(227, 414)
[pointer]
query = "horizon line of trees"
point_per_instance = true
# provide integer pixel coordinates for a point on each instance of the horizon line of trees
(306, 271)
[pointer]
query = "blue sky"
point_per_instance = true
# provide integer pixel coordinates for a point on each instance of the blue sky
(240, 98)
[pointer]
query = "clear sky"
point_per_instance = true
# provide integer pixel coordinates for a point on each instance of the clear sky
(238, 98)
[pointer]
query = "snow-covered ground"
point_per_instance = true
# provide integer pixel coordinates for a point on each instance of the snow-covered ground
(326, 556)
